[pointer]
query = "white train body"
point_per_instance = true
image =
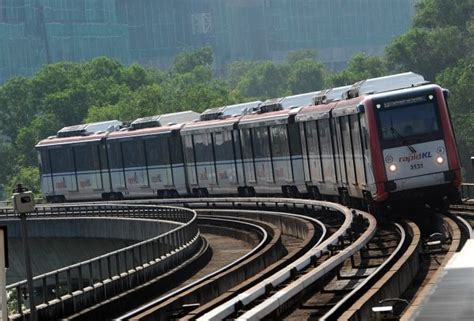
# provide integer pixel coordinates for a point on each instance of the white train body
(357, 142)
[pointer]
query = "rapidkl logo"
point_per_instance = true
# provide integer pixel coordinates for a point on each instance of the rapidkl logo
(415, 157)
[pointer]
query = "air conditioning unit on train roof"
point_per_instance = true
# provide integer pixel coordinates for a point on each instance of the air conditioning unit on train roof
(230, 110)
(88, 129)
(298, 100)
(386, 83)
(212, 113)
(241, 109)
(163, 120)
(270, 105)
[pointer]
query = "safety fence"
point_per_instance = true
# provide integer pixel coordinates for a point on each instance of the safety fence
(66, 290)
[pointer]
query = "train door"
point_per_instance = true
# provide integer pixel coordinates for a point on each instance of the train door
(368, 166)
(88, 168)
(339, 152)
(45, 171)
(117, 175)
(177, 162)
(294, 141)
(204, 159)
(248, 156)
(327, 156)
(225, 158)
(358, 150)
(238, 156)
(136, 175)
(158, 161)
(262, 155)
(346, 136)
(63, 169)
(280, 152)
(189, 159)
(313, 156)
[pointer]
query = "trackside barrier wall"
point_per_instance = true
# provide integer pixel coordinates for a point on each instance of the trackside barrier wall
(63, 291)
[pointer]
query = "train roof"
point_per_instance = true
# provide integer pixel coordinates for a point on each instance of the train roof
(53, 140)
(164, 119)
(210, 125)
(145, 131)
(315, 112)
(275, 117)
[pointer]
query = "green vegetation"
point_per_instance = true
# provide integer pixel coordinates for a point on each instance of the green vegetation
(439, 45)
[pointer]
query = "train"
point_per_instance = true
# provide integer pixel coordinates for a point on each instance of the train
(379, 143)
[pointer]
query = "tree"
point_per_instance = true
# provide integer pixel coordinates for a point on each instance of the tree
(188, 60)
(29, 177)
(306, 75)
(237, 70)
(265, 80)
(42, 126)
(304, 54)
(442, 13)
(427, 51)
(460, 81)
(16, 106)
(359, 68)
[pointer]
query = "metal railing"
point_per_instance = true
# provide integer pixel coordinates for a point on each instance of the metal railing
(89, 282)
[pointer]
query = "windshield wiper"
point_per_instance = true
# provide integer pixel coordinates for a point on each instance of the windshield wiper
(403, 140)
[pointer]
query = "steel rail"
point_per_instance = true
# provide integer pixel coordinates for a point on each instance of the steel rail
(250, 214)
(358, 291)
(279, 298)
(261, 288)
(264, 239)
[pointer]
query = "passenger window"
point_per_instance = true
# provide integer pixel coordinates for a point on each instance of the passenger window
(62, 159)
(115, 154)
(133, 153)
(203, 148)
(87, 157)
(223, 146)
(157, 150)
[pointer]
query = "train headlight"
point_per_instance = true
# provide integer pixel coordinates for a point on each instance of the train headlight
(440, 160)
(392, 168)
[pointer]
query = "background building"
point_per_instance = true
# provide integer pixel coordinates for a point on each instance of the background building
(152, 32)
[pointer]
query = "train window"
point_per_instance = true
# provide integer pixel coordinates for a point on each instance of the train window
(44, 160)
(115, 154)
(246, 144)
(203, 148)
(279, 141)
(223, 146)
(133, 153)
(87, 157)
(261, 147)
(188, 148)
(62, 160)
(407, 124)
(295, 140)
(176, 149)
(157, 151)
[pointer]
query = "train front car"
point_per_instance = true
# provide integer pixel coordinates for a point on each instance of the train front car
(415, 159)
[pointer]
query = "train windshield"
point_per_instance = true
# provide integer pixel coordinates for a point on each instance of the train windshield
(408, 123)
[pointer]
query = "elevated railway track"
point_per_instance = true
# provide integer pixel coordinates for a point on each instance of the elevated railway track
(306, 259)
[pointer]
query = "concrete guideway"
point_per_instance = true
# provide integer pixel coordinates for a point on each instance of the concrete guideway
(63, 291)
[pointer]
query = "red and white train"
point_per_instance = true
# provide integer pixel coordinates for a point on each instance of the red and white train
(381, 142)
